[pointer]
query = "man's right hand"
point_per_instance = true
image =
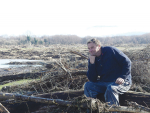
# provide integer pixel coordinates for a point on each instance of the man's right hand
(92, 59)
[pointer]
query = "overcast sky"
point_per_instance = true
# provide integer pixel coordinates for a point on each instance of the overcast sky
(74, 17)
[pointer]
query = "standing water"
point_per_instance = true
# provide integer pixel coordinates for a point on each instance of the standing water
(4, 62)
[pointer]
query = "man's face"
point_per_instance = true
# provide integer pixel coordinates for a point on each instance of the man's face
(93, 49)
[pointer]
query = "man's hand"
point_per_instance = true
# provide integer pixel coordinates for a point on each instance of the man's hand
(119, 81)
(92, 59)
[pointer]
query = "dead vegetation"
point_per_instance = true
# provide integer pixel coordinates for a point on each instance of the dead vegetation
(140, 68)
(66, 71)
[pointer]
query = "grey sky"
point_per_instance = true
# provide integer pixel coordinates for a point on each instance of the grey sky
(75, 17)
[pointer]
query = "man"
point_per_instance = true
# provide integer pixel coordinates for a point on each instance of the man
(109, 72)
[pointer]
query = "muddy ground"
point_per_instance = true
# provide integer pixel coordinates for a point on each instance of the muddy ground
(48, 67)
(37, 52)
(45, 54)
(55, 72)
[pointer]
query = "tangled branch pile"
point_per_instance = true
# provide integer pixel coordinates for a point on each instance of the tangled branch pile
(69, 73)
(140, 68)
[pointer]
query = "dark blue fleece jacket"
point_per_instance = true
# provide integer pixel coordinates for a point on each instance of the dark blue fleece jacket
(111, 64)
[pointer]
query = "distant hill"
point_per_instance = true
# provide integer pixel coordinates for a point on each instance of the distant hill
(132, 33)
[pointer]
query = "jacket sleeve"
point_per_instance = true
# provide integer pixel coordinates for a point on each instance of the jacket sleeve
(92, 74)
(124, 62)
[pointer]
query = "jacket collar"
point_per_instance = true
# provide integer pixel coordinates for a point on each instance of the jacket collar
(102, 52)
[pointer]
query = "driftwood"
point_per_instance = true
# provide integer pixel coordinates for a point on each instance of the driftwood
(82, 55)
(132, 107)
(3, 109)
(73, 73)
(62, 67)
(138, 97)
(34, 99)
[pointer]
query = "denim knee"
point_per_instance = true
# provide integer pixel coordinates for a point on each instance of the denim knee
(87, 85)
(86, 89)
(112, 88)
(89, 90)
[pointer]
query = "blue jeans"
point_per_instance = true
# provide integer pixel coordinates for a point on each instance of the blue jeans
(111, 90)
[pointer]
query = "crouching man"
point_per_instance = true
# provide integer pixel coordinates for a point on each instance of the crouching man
(109, 72)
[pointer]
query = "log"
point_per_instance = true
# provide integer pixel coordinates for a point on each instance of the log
(65, 95)
(74, 93)
(79, 72)
(33, 98)
(138, 97)
(3, 109)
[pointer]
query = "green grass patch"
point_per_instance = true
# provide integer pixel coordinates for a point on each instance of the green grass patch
(19, 82)
(4, 49)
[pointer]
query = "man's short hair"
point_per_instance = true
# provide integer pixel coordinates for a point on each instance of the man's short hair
(94, 40)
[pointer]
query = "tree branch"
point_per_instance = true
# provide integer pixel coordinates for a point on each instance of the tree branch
(3, 109)
(132, 108)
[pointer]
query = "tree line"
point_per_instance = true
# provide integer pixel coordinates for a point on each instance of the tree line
(73, 39)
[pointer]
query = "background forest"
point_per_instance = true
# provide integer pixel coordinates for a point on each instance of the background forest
(73, 39)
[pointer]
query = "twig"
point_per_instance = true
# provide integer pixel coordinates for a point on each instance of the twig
(28, 107)
(62, 66)
(82, 55)
(3, 109)
(145, 104)
(134, 107)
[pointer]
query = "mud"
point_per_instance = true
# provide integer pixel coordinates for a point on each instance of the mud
(61, 80)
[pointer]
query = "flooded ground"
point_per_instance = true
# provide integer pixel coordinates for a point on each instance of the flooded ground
(66, 71)
(10, 63)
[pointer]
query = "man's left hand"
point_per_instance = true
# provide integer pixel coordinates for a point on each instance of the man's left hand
(119, 81)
